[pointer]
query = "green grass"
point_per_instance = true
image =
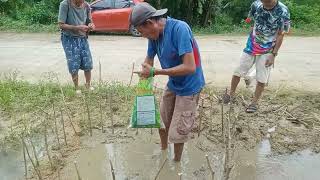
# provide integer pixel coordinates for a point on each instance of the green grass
(7, 24)
(24, 104)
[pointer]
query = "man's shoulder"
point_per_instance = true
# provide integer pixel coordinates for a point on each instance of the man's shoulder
(257, 4)
(178, 24)
(64, 3)
(283, 9)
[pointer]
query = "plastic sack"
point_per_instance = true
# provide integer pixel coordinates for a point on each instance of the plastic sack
(145, 113)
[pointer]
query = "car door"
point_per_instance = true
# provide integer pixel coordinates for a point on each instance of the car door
(101, 14)
(119, 19)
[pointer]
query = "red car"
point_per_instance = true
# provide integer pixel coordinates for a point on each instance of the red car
(113, 16)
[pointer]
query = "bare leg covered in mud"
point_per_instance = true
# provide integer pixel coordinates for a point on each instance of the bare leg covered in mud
(87, 75)
(258, 92)
(178, 147)
(234, 83)
(75, 79)
(164, 138)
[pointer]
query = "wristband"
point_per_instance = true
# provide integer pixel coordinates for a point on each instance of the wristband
(152, 72)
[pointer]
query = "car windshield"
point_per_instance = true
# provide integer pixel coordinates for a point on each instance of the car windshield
(110, 4)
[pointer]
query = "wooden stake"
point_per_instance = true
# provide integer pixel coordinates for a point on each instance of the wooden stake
(65, 105)
(228, 146)
(111, 113)
(210, 168)
(222, 123)
(25, 161)
(34, 152)
(201, 116)
(112, 170)
(63, 128)
(32, 162)
(180, 176)
(88, 113)
(55, 125)
(131, 74)
(100, 76)
(164, 162)
(101, 116)
(46, 142)
(211, 109)
(76, 167)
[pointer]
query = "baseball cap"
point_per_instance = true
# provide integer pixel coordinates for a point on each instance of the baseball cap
(144, 11)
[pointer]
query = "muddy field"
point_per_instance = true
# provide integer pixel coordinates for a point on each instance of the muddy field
(288, 120)
(280, 142)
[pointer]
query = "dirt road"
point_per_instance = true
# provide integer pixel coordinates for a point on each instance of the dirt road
(298, 63)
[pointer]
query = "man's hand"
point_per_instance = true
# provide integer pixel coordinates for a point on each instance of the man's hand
(91, 26)
(83, 28)
(270, 60)
(145, 72)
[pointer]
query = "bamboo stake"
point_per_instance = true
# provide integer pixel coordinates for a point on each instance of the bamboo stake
(228, 173)
(59, 176)
(222, 123)
(76, 167)
(100, 76)
(211, 109)
(88, 113)
(201, 114)
(63, 128)
(32, 162)
(111, 113)
(70, 120)
(65, 105)
(131, 74)
(25, 161)
(101, 116)
(112, 170)
(164, 162)
(210, 168)
(46, 142)
(55, 125)
(228, 146)
(34, 152)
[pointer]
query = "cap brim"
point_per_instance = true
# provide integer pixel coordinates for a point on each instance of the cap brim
(160, 12)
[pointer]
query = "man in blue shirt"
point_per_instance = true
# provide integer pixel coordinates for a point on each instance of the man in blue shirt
(177, 50)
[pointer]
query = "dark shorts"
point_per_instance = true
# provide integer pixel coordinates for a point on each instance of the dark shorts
(77, 53)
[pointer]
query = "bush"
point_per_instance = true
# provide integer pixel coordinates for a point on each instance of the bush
(39, 13)
(302, 15)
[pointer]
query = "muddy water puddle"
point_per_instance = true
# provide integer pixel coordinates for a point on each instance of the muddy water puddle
(260, 164)
(11, 165)
(140, 158)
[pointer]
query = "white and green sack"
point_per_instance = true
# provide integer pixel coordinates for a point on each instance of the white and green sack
(145, 112)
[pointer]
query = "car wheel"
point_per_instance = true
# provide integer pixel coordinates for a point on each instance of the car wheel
(134, 31)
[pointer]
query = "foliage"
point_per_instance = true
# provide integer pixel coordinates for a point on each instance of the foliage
(215, 16)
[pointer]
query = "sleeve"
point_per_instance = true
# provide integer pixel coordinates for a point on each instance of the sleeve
(63, 12)
(285, 22)
(183, 39)
(151, 49)
(252, 10)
